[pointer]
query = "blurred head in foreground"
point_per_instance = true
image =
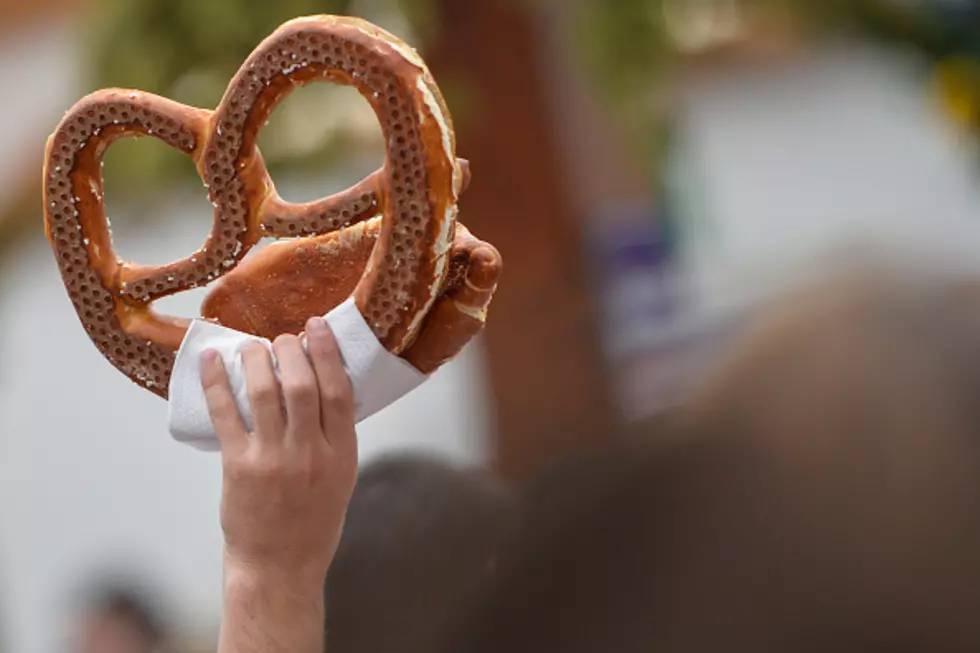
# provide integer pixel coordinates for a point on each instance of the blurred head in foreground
(821, 493)
(118, 620)
(421, 538)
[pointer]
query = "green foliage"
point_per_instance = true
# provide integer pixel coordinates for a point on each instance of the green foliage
(151, 44)
(624, 44)
(184, 49)
(627, 46)
(624, 48)
(938, 31)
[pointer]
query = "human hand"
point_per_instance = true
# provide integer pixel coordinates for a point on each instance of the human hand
(287, 484)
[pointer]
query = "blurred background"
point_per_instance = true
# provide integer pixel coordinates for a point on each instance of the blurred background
(651, 170)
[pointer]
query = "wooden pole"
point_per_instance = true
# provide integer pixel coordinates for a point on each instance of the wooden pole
(546, 373)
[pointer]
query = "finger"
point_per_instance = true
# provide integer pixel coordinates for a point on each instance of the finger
(225, 417)
(299, 388)
(336, 394)
(464, 167)
(264, 393)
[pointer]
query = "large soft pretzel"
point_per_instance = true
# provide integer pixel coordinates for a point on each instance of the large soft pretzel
(416, 194)
(313, 275)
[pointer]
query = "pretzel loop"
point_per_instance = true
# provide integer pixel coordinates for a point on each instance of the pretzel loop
(416, 191)
(112, 311)
(281, 219)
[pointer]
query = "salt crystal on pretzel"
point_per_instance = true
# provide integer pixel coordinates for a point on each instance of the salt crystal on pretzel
(405, 276)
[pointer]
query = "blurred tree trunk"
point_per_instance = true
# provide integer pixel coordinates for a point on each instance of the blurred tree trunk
(546, 374)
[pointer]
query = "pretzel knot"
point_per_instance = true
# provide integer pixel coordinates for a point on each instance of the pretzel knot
(421, 285)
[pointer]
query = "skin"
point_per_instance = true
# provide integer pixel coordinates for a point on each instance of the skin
(286, 489)
(112, 634)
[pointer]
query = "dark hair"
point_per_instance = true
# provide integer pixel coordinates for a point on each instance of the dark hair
(822, 493)
(131, 606)
(420, 538)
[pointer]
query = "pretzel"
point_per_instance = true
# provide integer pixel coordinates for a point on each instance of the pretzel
(313, 275)
(416, 193)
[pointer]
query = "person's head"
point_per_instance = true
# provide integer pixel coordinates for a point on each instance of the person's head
(421, 537)
(822, 493)
(845, 431)
(119, 620)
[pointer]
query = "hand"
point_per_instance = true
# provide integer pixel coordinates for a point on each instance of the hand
(287, 484)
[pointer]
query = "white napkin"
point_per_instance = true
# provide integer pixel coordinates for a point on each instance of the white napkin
(378, 377)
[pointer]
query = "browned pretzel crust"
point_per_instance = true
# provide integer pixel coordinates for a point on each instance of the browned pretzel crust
(311, 276)
(416, 192)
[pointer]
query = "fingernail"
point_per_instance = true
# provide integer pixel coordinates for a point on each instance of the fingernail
(316, 325)
(209, 357)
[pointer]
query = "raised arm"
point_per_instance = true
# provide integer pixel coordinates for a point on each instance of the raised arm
(288, 479)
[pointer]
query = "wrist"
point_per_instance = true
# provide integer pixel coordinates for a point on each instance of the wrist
(271, 608)
(285, 579)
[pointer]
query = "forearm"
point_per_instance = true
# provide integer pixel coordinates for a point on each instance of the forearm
(267, 612)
